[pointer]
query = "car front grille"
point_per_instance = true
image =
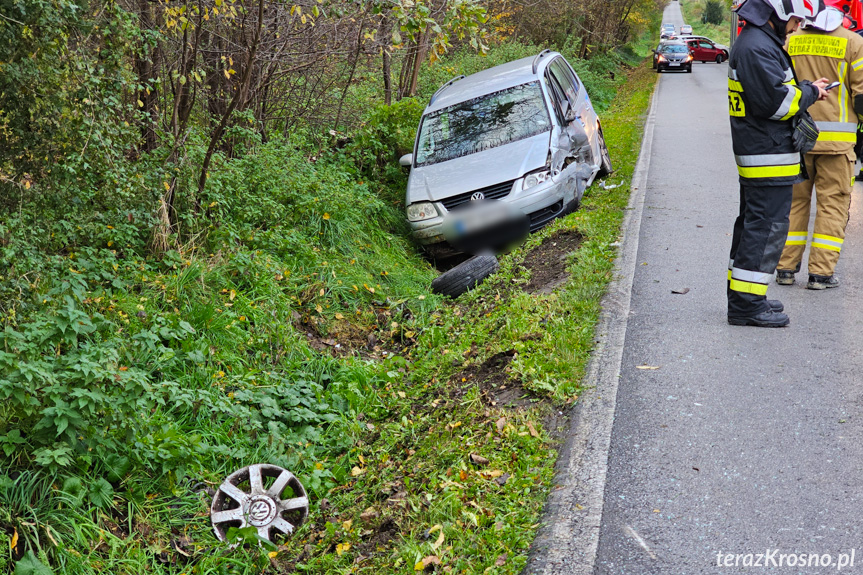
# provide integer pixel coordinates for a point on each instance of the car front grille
(540, 218)
(494, 192)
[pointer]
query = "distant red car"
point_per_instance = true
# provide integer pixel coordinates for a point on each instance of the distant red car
(704, 50)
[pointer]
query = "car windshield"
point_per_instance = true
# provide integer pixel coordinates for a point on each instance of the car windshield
(675, 49)
(482, 123)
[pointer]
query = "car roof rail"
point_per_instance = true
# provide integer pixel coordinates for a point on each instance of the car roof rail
(536, 60)
(442, 88)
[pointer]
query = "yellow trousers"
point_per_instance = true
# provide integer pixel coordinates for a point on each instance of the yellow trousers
(831, 177)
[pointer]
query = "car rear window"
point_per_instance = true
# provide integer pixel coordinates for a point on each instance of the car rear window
(482, 123)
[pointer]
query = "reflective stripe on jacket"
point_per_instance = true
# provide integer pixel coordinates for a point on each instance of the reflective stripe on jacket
(837, 56)
(763, 97)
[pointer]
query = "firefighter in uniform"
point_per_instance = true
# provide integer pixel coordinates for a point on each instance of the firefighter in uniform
(824, 48)
(763, 97)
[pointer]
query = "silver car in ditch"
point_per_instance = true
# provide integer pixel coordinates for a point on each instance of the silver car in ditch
(523, 133)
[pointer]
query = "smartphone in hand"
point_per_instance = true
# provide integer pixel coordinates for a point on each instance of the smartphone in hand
(832, 85)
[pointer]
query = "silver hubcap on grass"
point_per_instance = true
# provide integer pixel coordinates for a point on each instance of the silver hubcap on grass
(267, 497)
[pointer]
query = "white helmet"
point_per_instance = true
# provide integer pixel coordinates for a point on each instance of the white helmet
(827, 20)
(802, 9)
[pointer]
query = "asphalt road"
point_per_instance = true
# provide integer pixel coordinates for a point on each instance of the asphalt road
(728, 440)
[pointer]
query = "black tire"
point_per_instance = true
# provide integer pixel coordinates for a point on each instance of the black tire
(689, 70)
(465, 276)
(719, 59)
(605, 167)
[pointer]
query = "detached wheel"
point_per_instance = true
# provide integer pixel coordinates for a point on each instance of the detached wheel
(465, 276)
(267, 497)
(605, 167)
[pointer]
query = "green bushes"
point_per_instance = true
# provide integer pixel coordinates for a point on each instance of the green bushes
(713, 13)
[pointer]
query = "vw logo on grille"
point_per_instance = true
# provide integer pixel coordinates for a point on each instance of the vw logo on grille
(476, 196)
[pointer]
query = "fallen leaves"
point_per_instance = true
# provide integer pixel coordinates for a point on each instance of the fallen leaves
(501, 424)
(478, 459)
(440, 538)
(492, 474)
(369, 515)
(426, 561)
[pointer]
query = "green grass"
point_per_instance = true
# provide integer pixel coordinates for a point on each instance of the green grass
(222, 353)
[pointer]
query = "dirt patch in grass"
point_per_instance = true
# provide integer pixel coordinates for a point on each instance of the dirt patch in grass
(495, 382)
(547, 261)
(380, 537)
(344, 338)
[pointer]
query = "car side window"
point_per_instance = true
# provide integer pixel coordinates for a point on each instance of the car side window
(565, 79)
(707, 45)
(557, 97)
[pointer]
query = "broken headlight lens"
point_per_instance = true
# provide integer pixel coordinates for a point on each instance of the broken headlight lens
(534, 179)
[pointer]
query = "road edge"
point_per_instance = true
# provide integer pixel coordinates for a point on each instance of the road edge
(568, 540)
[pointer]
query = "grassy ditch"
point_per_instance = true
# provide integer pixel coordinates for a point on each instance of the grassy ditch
(299, 331)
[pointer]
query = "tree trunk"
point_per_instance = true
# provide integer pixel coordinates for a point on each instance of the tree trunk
(239, 94)
(422, 49)
(147, 72)
(388, 79)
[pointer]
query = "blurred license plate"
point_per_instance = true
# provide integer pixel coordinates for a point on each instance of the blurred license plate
(674, 63)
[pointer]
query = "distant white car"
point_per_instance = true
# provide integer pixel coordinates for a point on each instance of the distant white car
(686, 29)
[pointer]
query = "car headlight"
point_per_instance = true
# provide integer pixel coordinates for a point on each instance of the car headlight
(421, 211)
(689, 58)
(661, 58)
(534, 179)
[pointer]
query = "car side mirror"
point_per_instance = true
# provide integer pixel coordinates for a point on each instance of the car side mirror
(406, 160)
(570, 115)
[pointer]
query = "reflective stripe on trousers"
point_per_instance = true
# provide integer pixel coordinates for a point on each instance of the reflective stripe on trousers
(797, 238)
(748, 281)
(826, 242)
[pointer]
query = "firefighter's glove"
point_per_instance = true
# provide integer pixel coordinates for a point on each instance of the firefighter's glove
(805, 132)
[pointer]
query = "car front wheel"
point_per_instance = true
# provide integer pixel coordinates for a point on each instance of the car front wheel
(605, 167)
(719, 59)
(465, 276)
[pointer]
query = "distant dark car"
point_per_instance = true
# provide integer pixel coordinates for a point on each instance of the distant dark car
(666, 31)
(704, 50)
(656, 51)
(674, 56)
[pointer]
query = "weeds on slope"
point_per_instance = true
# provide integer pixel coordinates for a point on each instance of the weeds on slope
(298, 330)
